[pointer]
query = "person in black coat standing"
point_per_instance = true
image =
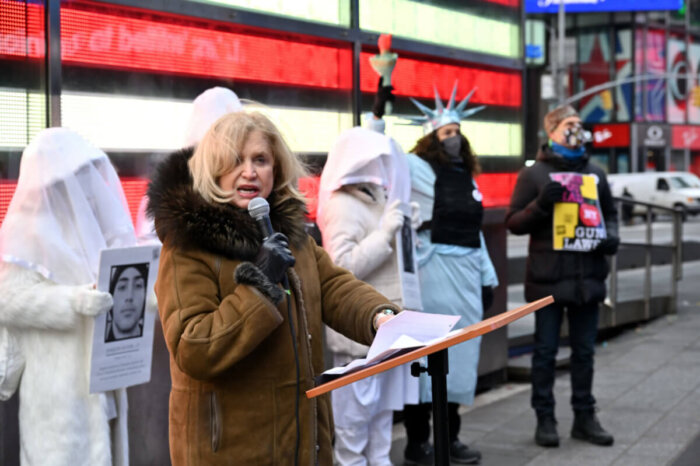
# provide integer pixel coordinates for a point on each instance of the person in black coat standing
(576, 279)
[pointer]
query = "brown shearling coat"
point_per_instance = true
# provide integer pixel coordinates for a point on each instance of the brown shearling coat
(232, 359)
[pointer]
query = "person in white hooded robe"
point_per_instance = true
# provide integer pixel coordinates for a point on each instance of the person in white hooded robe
(364, 180)
(207, 107)
(68, 206)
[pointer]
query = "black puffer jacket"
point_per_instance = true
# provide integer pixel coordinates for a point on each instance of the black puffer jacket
(571, 277)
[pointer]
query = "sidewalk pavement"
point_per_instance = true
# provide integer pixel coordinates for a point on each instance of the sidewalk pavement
(647, 383)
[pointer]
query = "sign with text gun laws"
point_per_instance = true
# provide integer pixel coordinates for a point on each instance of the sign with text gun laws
(578, 221)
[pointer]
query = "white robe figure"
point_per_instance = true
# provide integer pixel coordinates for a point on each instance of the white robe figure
(207, 107)
(361, 167)
(68, 205)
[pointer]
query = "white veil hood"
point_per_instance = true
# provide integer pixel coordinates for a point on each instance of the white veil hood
(68, 206)
(208, 107)
(360, 155)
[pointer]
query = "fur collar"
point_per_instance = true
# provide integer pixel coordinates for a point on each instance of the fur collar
(183, 219)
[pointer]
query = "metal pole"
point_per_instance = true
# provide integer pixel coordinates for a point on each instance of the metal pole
(561, 67)
(356, 54)
(52, 16)
(613, 277)
(437, 369)
(647, 267)
(613, 290)
(634, 149)
(675, 259)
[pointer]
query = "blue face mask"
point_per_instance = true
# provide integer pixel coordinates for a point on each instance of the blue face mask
(567, 152)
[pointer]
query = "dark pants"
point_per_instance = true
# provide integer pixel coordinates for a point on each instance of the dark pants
(583, 326)
(416, 419)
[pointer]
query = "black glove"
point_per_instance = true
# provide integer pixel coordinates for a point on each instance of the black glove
(384, 94)
(551, 193)
(486, 297)
(608, 246)
(274, 257)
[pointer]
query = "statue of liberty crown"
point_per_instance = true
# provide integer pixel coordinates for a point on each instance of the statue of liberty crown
(442, 115)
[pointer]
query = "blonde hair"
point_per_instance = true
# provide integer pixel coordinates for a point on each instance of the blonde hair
(219, 152)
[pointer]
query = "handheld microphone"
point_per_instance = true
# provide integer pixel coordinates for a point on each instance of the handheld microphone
(259, 209)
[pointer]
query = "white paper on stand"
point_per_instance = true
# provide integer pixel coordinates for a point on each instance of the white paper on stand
(421, 327)
(124, 359)
(407, 331)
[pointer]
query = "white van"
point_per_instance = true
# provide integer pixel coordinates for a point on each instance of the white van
(668, 189)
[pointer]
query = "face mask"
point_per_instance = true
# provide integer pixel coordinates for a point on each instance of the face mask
(576, 136)
(452, 145)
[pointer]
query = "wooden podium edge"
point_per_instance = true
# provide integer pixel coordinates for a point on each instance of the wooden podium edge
(467, 333)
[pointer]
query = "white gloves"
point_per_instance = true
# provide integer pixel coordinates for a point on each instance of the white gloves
(392, 220)
(91, 302)
(416, 220)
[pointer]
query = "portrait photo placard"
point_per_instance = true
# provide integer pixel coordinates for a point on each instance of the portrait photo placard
(122, 341)
(407, 262)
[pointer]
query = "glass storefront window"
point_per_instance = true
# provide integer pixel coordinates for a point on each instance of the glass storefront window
(455, 26)
(594, 53)
(677, 90)
(535, 42)
(694, 6)
(623, 163)
(694, 82)
(624, 93)
(321, 11)
(650, 59)
(601, 160)
(678, 163)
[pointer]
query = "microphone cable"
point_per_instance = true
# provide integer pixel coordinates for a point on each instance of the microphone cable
(285, 283)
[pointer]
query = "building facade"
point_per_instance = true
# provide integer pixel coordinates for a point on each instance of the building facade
(124, 73)
(650, 118)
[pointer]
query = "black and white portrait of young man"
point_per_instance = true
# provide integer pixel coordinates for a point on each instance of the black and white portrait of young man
(127, 285)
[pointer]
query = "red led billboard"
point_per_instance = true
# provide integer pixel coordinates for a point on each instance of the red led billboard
(111, 41)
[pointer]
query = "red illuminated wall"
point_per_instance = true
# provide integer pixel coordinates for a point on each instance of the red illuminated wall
(134, 190)
(416, 78)
(21, 30)
(309, 186)
(104, 40)
(496, 188)
(513, 3)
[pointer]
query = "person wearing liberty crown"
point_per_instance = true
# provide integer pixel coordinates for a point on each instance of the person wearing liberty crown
(575, 279)
(456, 273)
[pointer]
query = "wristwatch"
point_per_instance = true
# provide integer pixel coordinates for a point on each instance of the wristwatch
(383, 312)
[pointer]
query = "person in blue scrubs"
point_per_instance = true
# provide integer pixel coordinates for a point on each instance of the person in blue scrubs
(456, 273)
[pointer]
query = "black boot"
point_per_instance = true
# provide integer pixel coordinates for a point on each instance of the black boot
(462, 454)
(587, 427)
(546, 434)
(419, 454)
